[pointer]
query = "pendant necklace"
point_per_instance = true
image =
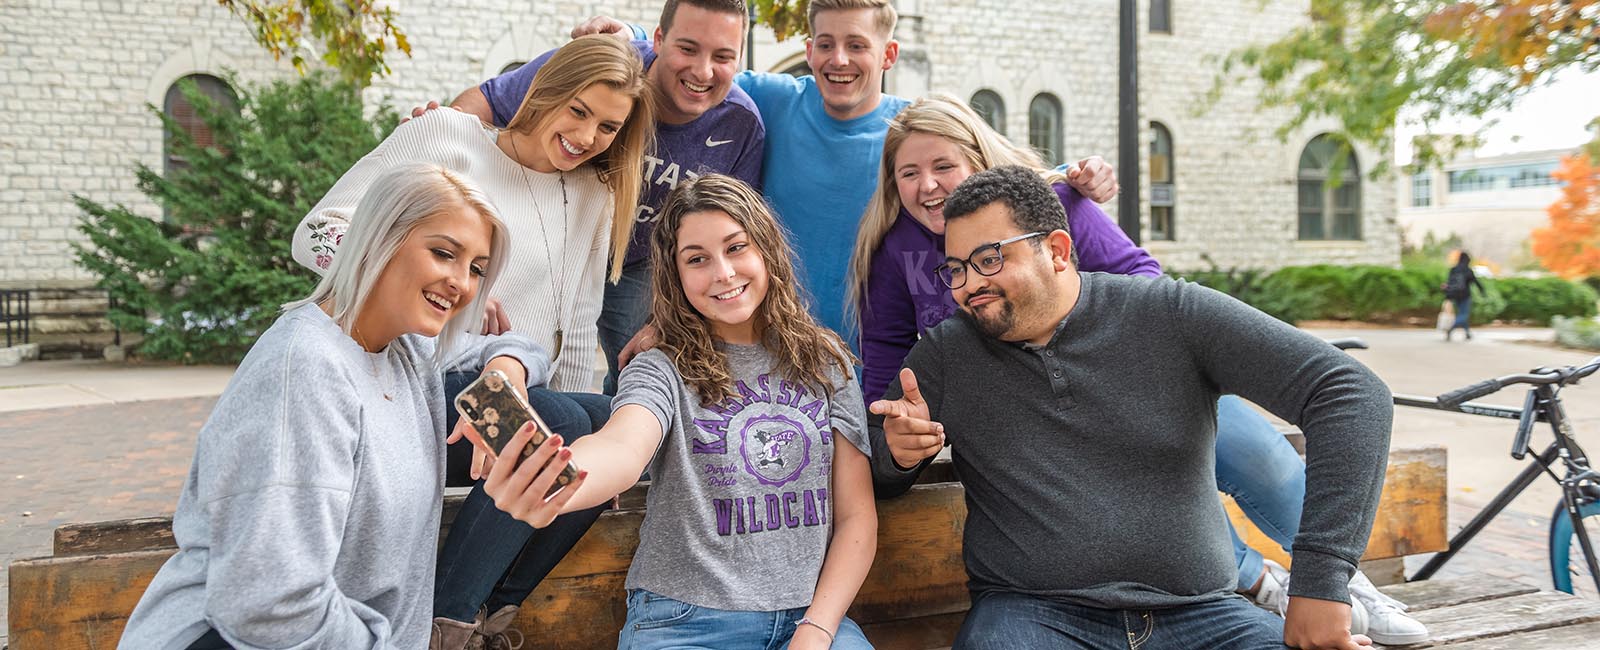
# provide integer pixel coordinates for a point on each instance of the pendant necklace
(372, 360)
(560, 272)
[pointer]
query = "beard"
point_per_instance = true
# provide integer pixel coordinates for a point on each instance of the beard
(1000, 316)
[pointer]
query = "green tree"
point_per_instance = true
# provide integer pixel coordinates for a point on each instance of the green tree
(354, 35)
(1362, 61)
(203, 283)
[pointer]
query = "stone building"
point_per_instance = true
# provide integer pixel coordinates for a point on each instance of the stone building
(1491, 204)
(1226, 190)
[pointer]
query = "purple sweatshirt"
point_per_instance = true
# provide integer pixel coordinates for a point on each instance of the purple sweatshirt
(903, 300)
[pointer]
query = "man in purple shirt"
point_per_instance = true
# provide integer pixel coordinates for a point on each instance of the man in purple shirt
(704, 123)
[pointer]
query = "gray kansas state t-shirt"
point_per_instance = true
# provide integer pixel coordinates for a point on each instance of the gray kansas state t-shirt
(739, 512)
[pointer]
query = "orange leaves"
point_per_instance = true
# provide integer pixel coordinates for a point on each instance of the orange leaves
(1521, 35)
(1570, 245)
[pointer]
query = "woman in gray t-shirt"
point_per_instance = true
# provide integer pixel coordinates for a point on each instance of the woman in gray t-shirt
(760, 524)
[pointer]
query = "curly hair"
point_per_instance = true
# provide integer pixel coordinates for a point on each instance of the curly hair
(805, 351)
(1034, 207)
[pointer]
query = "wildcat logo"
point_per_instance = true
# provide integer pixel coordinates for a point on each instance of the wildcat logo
(775, 449)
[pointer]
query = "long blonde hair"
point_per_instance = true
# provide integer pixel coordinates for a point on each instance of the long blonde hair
(804, 350)
(393, 206)
(941, 115)
(589, 60)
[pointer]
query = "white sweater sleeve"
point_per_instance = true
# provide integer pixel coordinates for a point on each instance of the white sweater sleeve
(427, 139)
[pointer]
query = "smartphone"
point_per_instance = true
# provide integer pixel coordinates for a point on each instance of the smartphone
(496, 412)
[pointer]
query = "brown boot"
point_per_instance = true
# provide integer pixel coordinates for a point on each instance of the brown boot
(451, 634)
(497, 632)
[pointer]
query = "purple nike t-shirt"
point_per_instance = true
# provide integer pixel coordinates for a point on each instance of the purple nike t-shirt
(738, 516)
(727, 139)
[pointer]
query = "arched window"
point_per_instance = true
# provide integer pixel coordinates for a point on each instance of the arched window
(1161, 16)
(1330, 190)
(182, 112)
(991, 108)
(512, 66)
(1045, 129)
(1163, 195)
(799, 69)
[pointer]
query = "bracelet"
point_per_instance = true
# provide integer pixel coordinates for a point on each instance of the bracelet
(806, 620)
(638, 32)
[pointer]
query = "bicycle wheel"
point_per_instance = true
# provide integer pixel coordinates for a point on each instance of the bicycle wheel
(1568, 571)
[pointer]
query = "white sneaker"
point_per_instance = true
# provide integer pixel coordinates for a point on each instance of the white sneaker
(1274, 597)
(1274, 593)
(1388, 622)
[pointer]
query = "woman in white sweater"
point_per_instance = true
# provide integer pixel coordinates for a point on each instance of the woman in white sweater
(567, 162)
(311, 510)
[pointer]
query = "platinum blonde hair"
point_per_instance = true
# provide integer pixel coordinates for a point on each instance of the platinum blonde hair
(393, 206)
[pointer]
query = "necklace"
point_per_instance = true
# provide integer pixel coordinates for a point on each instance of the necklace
(560, 272)
(372, 360)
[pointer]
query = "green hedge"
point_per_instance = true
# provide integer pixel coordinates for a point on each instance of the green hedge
(1393, 295)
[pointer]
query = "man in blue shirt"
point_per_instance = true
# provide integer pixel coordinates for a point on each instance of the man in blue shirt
(825, 138)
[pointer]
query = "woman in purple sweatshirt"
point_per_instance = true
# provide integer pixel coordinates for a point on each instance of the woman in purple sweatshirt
(931, 147)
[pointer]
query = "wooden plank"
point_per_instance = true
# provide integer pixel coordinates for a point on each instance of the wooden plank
(1444, 592)
(1503, 616)
(1413, 511)
(1572, 637)
(77, 603)
(915, 634)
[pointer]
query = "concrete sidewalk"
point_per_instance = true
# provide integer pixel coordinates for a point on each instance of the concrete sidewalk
(53, 384)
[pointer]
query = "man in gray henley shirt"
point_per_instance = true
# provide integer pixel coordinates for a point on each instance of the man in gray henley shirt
(1081, 411)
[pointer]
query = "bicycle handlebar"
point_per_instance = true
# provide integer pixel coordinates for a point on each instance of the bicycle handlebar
(1539, 376)
(1456, 397)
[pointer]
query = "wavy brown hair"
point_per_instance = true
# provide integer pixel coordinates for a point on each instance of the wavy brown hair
(589, 60)
(805, 351)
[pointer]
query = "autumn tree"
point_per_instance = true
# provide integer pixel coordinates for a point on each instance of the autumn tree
(1362, 61)
(1570, 245)
(353, 36)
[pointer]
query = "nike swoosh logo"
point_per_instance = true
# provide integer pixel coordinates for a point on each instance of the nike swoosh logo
(716, 143)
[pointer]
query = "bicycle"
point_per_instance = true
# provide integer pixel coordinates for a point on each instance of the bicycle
(1577, 513)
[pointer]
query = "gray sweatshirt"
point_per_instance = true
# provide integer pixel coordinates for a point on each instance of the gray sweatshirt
(1089, 463)
(310, 517)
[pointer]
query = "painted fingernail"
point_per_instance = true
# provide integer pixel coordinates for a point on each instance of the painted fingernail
(583, 475)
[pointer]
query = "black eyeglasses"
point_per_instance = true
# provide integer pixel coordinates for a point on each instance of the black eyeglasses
(987, 261)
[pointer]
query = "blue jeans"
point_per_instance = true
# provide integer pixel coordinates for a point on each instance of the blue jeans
(1263, 474)
(1009, 621)
(1463, 314)
(489, 558)
(656, 622)
(623, 311)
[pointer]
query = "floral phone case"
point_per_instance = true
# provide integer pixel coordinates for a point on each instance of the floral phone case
(496, 412)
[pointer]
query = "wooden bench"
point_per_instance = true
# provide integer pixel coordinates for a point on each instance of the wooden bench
(1486, 613)
(914, 598)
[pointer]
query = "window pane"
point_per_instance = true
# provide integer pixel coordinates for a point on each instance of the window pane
(1160, 154)
(1346, 225)
(991, 108)
(1161, 16)
(1161, 223)
(1311, 209)
(1045, 130)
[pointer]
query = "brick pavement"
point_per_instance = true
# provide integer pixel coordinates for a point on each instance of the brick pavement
(90, 463)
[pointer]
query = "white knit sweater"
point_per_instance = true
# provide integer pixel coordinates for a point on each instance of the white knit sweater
(553, 279)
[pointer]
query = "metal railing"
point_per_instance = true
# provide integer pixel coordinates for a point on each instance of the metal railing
(16, 315)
